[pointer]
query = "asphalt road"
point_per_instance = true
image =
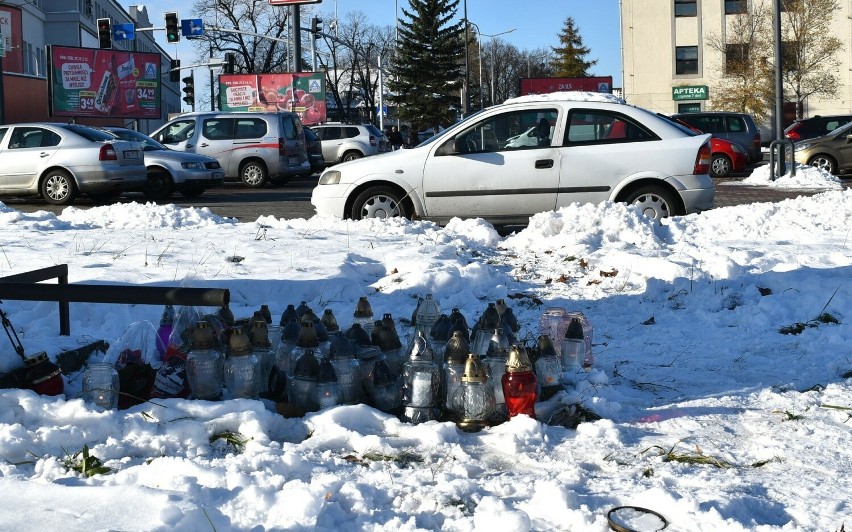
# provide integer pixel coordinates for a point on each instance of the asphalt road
(293, 199)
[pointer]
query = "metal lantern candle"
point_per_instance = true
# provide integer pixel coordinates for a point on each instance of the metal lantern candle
(329, 321)
(302, 308)
(484, 330)
(289, 337)
(327, 392)
(426, 315)
(389, 343)
(421, 383)
(520, 386)
(458, 323)
(100, 385)
(242, 367)
(555, 321)
(301, 389)
(363, 314)
(455, 356)
(473, 401)
(368, 357)
(205, 364)
(495, 360)
(573, 347)
(307, 340)
(288, 314)
(548, 367)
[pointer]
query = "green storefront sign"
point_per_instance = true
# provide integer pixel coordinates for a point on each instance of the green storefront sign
(690, 92)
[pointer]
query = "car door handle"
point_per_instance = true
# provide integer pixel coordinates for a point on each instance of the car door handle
(544, 163)
(203, 145)
(188, 146)
(44, 154)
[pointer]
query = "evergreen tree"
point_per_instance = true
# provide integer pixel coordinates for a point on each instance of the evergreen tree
(570, 57)
(426, 72)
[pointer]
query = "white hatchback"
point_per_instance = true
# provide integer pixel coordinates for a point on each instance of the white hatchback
(586, 147)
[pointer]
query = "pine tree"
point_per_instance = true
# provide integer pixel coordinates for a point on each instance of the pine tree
(426, 71)
(570, 57)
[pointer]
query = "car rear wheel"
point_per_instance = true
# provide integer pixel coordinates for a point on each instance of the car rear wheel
(159, 185)
(253, 174)
(379, 202)
(58, 188)
(720, 165)
(654, 201)
(351, 156)
(826, 162)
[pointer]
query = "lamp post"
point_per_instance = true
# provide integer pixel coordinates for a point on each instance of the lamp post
(480, 35)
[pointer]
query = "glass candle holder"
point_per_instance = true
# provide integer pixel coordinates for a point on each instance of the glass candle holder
(100, 385)
(205, 365)
(519, 383)
(473, 401)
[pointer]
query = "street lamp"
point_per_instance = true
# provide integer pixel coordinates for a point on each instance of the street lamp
(480, 35)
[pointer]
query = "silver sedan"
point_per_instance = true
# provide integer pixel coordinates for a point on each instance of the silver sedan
(60, 161)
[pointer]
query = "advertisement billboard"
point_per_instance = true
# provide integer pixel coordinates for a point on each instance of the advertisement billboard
(545, 85)
(104, 83)
(302, 92)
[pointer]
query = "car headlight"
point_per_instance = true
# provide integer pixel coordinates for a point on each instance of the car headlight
(192, 166)
(803, 145)
(329, 177)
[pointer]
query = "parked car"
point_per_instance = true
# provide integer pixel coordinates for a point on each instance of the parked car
(586, 151)
(60, 161)
(727, 156)
(169, 170)
(347, 142)
(832, 152)
(816, 126)
(314, 147)
(255, 148)
(737, 127)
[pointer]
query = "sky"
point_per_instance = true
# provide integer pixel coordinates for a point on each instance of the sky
(699, 405)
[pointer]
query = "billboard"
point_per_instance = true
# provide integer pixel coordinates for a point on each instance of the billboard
(292, 2)
(302, 92)
(104, 83)
(545, 85)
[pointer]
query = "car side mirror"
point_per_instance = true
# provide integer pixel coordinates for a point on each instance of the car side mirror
(849, 139)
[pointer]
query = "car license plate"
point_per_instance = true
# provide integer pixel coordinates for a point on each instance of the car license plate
(293, 160)
(131, 154)
(218, 175)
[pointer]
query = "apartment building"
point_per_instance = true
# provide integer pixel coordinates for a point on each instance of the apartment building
(671, 66)
(30, 26)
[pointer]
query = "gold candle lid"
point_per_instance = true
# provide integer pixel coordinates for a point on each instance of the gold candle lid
(518, 360)
(474, 370)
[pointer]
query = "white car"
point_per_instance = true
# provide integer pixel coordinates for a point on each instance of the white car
(589, 147)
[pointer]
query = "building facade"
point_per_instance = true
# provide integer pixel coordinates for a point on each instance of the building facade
(29, 27)
(670, 64)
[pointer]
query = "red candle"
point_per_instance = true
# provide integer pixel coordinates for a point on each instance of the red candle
(521, 392)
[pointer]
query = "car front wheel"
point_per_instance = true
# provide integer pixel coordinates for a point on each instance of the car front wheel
(654, 202)
(58, 188)
(720, 165)
(379, 202)
(159, 185)
(253, 174)
(825, 162)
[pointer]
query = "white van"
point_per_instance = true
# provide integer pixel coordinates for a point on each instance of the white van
(255, 148)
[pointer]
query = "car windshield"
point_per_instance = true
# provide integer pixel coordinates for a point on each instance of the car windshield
(148, 144)
(452, 127)
(88, 133)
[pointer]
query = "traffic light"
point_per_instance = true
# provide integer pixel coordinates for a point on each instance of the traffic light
(174, 71)
(230, 61)
(189, 91)
(316, 27)
(172, 27)
(104, 33)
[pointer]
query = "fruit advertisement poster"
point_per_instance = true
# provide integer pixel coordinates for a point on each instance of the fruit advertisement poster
(301, 92)
(95, 82)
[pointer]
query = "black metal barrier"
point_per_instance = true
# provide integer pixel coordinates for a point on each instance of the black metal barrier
(24, 287)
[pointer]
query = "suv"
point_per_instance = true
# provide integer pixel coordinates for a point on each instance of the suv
(738, 127)
(817, 126)
(347, 142)
(588, 148)
(252, 147)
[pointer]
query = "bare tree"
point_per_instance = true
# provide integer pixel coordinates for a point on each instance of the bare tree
(809, 64)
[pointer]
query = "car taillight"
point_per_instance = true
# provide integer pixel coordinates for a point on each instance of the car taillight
(702, 160)
(792, 134)
(107, 153)
(757, 141)
(372, 140)
(282, 147)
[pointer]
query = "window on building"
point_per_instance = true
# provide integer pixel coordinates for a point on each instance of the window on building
(688, 107)
(736, 55)
(686, 8)
(686, 60)
(736, 7)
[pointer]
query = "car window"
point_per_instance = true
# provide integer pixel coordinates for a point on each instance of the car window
(3, 131)
(374, 130)
(514, 130)
(218, 128)
(148, 144)
(596, 127)
(33, 137)
(330, 133)
(736, 124)
(177, 131)
(290, 132)
(351, 132)
(250, 128)
(88, 133)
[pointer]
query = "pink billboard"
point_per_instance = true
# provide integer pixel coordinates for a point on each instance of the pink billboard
(300, 92)
(546, 85)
